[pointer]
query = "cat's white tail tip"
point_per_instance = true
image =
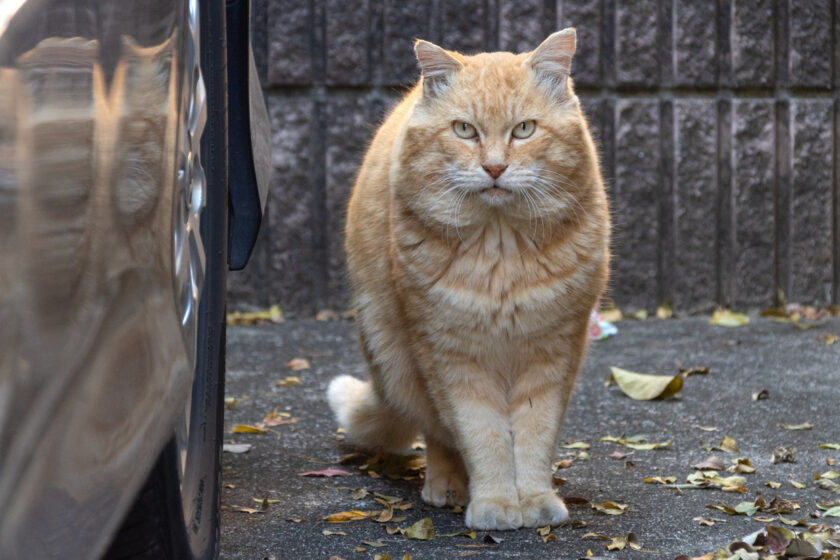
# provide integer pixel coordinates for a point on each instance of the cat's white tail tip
(368, 422)
(343, 393)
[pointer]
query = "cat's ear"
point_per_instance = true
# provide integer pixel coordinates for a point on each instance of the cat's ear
(551, 62)
(436, 65)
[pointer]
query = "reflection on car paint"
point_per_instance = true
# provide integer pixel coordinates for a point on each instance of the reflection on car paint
(101, 265)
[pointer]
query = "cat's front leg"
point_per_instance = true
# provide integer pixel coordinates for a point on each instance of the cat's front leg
(476, 412)
(536, 415)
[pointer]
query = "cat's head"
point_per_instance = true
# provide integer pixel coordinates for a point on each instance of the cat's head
(495, 133)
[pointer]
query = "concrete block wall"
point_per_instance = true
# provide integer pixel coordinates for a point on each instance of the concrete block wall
(718, 123)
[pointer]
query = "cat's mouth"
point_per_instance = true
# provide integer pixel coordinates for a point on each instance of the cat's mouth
(495, 191)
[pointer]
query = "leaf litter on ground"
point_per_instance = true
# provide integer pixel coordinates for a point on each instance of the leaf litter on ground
(637, 442)
(726, 318)
(273, 314)
(326, 473)
(645, 387)
(298, 364)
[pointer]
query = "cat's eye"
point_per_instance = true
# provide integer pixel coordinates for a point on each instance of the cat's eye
(524, 129)
(465, 130)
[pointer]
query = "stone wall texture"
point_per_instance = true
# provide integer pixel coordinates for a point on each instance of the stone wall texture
(718, 123)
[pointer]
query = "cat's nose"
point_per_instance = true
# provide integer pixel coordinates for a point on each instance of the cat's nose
(494, 170)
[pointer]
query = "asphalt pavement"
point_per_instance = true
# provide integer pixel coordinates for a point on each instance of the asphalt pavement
(271, 511)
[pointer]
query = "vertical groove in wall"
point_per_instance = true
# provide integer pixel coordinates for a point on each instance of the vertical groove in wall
(725, 238)
(781, 22)
(607, 74)
(667, 231)
(318, 39)
(665, 38)
(549, 14)
(491, 33)
(835, 222)
(608, 43)
(724, 230)
(723, 43)
(783, 152)
(318, 173)
(782, 195)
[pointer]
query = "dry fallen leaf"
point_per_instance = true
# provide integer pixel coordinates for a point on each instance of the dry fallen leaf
(711, 462)
(742, 465)
(796, 427)
(610, 508)
(298, 364)
(726, 318)
(711, 479)
(289, 381)
(328, 533)
(661, 480)
(835, 446)
(326, 473)
(761, 395)
(619, 543)
(784, 455)
(829, 475)
(422, 530)
(247, 429)
(794, 482)
(646, 387)
(563, 464)
(664, 311)
(773, 484)
(353, 515)
(273, 314)
(231, 402)
(241, 509)
(828, 338)
(637, 442)
(236, 447)
(577, 445)
(688, 372)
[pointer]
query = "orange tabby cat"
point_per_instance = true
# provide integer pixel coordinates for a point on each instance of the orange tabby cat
(477, 245)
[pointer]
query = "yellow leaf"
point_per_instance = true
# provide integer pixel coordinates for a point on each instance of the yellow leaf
(661, 480)
(664, 311)
(612, 315)
(728, 444)
(290, 381)
(422, 530)
(246, 429)
(726, 318)
(273, 314)
(773, 484)
(298, 364)
(828, 338)
(794, 482)
(327, 532)
(353, 515)
(577, 445)
(645, 387)
(610, 508)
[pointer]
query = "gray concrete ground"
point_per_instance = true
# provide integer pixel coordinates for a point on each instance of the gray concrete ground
(800, 372)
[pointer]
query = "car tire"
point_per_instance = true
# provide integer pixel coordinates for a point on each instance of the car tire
(175, 517)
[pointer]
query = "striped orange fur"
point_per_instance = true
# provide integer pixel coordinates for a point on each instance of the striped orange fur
(477, 245)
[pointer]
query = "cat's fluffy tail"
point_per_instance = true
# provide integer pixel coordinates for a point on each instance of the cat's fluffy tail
(368, 422)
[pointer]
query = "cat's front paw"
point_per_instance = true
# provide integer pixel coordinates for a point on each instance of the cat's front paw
(445, 489)
(488, 514)
(543, 509)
